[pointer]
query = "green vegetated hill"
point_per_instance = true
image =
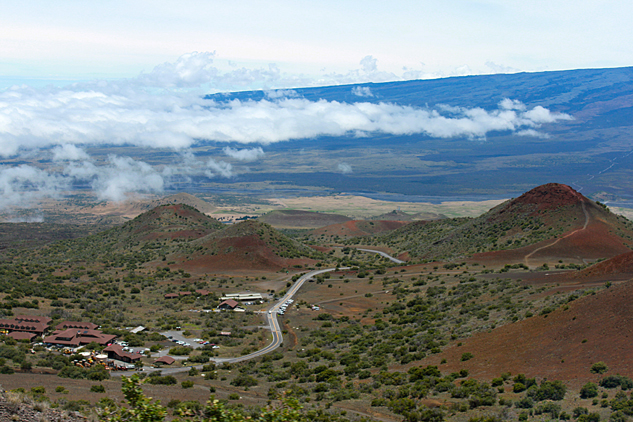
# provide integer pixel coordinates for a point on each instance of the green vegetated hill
(186, 199)
(279, 243)
(397, 215)
(34, 235)
(182, 233)
(546, 212)
(301, 219)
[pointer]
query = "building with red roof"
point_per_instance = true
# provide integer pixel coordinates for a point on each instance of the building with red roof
(74, 337)
(76, 324)
(29, 324)
(115, 351)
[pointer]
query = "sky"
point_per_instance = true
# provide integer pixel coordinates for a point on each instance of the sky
(315, 42)
(77, 75)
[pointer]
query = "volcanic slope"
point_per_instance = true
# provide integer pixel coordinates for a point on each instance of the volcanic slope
(153, 234)
(354, 228)
(562, 344)
(397, 215)
(550, 222)
(181, 234)
(187, 199)
(296, 219)
(249, 245)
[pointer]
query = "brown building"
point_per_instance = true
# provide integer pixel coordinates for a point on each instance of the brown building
(27, 324)
(76, 324)
(20, 335)
(73, 337)
(228, 304)
(115, 351)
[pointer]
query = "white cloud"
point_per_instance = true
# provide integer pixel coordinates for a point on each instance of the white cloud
(165, 109)
(244, 154)
(362, 91)
(121, 115)
(345, 168)
(24, 185)
(69, 152)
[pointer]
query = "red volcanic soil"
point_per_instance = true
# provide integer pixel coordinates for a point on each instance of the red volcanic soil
(595, 242)
(551, 196)
(561, 345)
(354, 228)
(621, 264)
(244, 253)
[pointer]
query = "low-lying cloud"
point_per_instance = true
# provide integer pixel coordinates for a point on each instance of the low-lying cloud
(251, 154)
(166, 109)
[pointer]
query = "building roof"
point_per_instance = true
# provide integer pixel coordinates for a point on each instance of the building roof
(229, 303)
(168, 360)
(243, 296)
(22, 325)
(171, 295)
(75, 337)
(76, 324)
(184, 293)
(203, 292)
(20, 335)
(118, 350)
(32, 318)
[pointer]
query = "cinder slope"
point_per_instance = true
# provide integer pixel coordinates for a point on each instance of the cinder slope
(294, 219)
(560, 345)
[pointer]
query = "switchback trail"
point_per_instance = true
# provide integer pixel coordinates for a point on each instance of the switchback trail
(584, 210)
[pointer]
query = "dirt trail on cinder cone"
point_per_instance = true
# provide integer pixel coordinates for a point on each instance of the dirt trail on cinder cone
(584, 227)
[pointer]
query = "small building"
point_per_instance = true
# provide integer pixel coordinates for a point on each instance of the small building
(167, 360)
(247, 297)
(171, 295)
(137, 329)
(184, 293)
(20, 335)
(203, 292)
(228, 304)
(115, 351)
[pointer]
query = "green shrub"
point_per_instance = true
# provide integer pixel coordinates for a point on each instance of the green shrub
(588, 391)
(599, 368)
(186, 384)
(234, 396)
(466, 356)
(97, 388)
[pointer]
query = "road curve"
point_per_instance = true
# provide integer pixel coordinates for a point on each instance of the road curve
(271, 317)
(389, 257)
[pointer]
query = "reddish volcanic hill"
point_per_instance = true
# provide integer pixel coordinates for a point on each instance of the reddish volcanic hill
(549, 223)
(249, 245)
(174, 221)
(561, 345)
(550, 196)
(355, 228)
(579, 230)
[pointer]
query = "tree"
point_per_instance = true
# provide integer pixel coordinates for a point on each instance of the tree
(142, 409)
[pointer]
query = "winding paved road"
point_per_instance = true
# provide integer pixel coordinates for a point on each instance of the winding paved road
(389, 257)
(271, 317)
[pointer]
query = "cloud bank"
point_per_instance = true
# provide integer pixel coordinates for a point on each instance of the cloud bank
(166, 109)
